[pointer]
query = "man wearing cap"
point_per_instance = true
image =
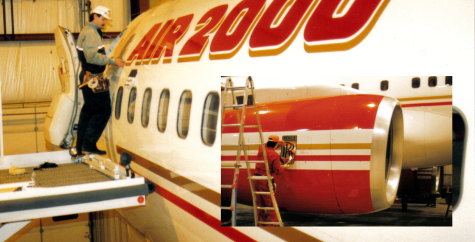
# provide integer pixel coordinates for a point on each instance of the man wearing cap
(273, 160)
(97, 105)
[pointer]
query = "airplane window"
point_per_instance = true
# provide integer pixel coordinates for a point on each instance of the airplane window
(210, 118)
(384, 85)
(131, 109)
(416, 82)
(448, 80)
(147, 96)
(355, 86)
(118, 102)
(250, 100)
(240, 99)
(163, 110)
(432, 81)
(184, 110)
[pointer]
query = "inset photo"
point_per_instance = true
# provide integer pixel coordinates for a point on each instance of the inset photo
(339, 151)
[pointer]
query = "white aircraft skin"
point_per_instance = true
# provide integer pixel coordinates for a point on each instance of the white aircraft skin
(186, 206)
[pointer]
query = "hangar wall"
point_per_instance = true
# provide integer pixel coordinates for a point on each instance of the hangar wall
(29, 80)
(29, 69)
(42, 16)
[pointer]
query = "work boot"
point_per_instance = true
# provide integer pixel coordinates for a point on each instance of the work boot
(94, 150)
(75, 153)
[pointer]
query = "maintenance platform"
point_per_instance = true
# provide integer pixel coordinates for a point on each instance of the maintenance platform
(93, 183)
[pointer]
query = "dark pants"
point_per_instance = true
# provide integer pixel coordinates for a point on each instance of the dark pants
(93, 118)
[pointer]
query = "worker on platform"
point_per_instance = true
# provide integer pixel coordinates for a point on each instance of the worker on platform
(275, 168)
(97, 105)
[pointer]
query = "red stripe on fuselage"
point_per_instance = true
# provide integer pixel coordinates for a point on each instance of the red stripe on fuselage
(425, 104)
(310, 158)
(201, 215)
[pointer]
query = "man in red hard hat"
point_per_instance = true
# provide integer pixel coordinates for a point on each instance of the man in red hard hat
(273, 160)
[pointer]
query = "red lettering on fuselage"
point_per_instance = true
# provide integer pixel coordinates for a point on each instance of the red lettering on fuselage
(195, 46)
(333, 22)
(172, 37)
(143, 45)
(235, 27)
(153, 47)
(333, 25)
(278, 23)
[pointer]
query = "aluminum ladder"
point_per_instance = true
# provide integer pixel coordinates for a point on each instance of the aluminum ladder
(229, 87)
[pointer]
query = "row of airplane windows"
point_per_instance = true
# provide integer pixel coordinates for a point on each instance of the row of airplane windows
(208, 122)
(416, 83)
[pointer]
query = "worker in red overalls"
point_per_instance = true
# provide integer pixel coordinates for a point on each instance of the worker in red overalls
(273, 160)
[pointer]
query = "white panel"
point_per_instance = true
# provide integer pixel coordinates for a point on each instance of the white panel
(414, 148)
(438, 139)
(350, 165)
(320, 152)
(312, 165)
(351, 136)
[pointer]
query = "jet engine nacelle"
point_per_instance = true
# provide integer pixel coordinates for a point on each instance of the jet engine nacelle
(348, 159)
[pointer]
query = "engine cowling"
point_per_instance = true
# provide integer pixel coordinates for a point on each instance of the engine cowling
(348, 159)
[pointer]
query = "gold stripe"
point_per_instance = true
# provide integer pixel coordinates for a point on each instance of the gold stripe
(313, 147)
(424, 98)
(252, 147)
(349, 146)
(193, 187)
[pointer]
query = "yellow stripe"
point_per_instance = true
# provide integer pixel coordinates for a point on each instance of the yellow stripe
(313, 147)
(424, 98)
(350, 146)
(254, 147)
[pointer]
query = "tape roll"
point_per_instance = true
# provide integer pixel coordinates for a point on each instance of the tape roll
(92, 83)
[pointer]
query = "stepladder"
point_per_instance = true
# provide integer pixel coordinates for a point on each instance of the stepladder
(234, 107)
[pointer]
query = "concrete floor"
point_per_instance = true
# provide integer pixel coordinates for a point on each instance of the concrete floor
(416, 215)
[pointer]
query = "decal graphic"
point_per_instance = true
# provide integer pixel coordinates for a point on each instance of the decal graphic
(143, 45)
(194, 47)
(235, 28)
(176, 32)
(328, 25)
(341, 25)
(156, 41)
(278, 26)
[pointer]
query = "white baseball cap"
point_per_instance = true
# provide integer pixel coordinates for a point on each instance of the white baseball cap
(103, 11)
